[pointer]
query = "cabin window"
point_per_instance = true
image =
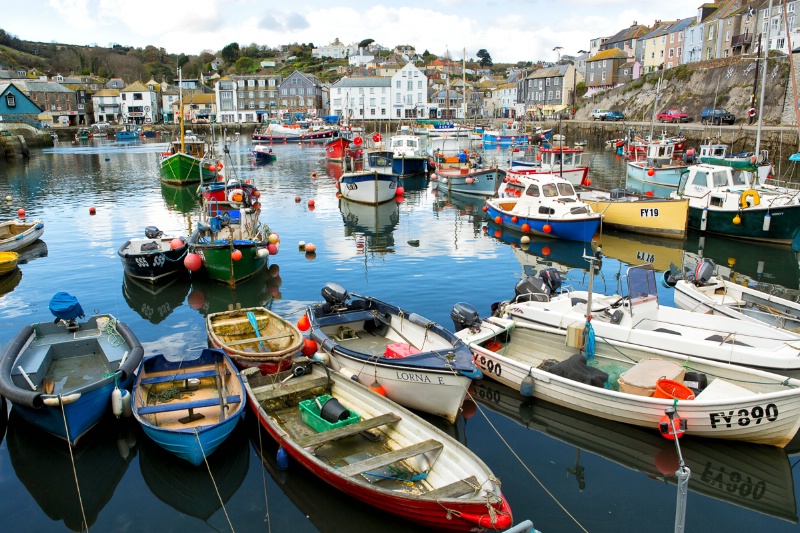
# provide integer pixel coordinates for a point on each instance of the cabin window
(546, 210)
(533, 190)
(549, 190)
(739, 178)
(720, 179)
(700, 179)
(565, 189)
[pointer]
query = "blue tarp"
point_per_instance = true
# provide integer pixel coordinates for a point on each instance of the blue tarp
(65, 306)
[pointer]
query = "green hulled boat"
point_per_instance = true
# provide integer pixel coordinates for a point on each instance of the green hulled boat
(189, 160)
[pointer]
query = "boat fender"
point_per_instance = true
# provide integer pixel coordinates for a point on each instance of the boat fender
(526, 387)
(349, 374)
(749, 193)
(282, 458)
(767, 222)
(704, 219)
(116, 402)
(127, 408)
(52, 401)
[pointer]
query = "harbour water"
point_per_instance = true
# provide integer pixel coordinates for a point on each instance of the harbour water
(562, 470)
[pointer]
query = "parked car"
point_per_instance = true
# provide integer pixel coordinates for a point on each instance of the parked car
(717, 115)
(599, 114)
(99, 126)
(614, 115)
(672, 115)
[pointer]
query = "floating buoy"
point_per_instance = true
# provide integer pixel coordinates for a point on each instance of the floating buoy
(309, 347)
(311, 203)
(485, 208)
(192, 262)
(377, 388)
(301, 246)
(311, 247)
(92, 211)
(8, 198)
(303, 324)
(282, 458)
(399, 191)
(525, 239)
(545, 250)
(272, 249)
(273, 238)
(314, 175)
(175, 243)
(21, 213)
(526, 227)
(236, 255)
(297, 199)
(547, 228)
(498, 219)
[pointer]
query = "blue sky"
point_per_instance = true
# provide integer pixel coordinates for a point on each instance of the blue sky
(510, 31)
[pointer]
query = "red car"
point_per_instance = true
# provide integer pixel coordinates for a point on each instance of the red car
(672, 115)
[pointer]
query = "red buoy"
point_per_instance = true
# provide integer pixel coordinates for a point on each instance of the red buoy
(272, 248)
(92, 210)
(303, 324)
(309, 347)
(526, 227)
(498, 219)
(399, 191)
(311, 203)
(236, 255)
(668, 432)
(485, 208)
(175, 243)
(514, 219)
(192, 262)
(547, 228)
(650, 171)
(21, 212)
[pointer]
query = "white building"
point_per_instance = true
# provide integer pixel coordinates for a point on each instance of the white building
(139, 104)
(505, 97)
(361, 98)
(335, 50)
(409, 93)
(360, 58)
(106, 104)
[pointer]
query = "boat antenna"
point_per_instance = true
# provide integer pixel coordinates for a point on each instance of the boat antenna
(764, 82)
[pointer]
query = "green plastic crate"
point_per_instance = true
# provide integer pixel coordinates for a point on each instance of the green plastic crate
(310, 413)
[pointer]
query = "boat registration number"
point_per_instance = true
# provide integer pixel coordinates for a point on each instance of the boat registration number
(648, 212)
(744, 417)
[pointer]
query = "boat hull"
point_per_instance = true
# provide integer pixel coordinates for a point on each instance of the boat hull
(288, 138)
(647, 216)
(191, 440)
(219, 265)
(409, 166)
(155, 265)
(580, 229)
(17, 234)
(181, 169)
(784, 222)
(669, 176)
(368, 187)
(480, 182)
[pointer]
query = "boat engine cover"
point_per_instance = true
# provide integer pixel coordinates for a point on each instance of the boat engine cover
(531, 289)
(65, 306)
(703, 272)
(552, 278)
(464, 316)
(334, 294)
(152, 232)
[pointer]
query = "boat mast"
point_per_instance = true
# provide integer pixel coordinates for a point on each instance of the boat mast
(764, 79)
(180, 105)
(791, 69)
(464, 85)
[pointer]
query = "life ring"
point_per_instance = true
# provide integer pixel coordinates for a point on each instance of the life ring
(751, 112)
(377, 137)
(358, 141)
(236, 195)
(749, 193)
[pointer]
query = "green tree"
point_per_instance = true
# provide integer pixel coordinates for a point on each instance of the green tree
(580, 89)
(244, 65)
(486, 58)
(230, 53)
(365, 43)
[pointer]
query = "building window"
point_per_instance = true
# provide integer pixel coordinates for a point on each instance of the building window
(727, 36)
(672, 37)
(711, 33)
(397, 85)
(679, 51)
(11, 101)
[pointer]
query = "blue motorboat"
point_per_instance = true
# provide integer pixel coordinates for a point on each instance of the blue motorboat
(61, 376)
(188, 405)
(131, 132)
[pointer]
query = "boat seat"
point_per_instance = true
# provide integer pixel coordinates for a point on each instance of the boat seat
(295, 385)
(641, 378)
(391, 457)
(312, 441)
(180, 377)
(258, 339)
(344, 318)
(456, 489)
(177, 406)
(726, 340)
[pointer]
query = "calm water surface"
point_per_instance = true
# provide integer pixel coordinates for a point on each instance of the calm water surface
(608, 477)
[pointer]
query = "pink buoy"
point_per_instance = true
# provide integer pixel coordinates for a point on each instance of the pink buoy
(310, 248)
(21, 213)
(272, 249)
(175, 243)
(192, 262)
(469, 181)
(400, 191)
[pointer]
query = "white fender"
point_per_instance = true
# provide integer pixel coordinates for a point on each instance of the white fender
(52, 401)
(116, 402)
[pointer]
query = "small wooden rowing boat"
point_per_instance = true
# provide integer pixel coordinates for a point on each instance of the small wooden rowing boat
(375, 450)
(8, 262)
(19, 233)
(255, 337)
(189, 405)
(419, 364)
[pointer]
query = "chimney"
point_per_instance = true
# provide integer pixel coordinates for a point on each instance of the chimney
(657, 22)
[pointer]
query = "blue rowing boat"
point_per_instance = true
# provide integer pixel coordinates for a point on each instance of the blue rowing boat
(188, 405)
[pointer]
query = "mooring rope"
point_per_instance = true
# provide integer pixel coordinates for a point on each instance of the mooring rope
(208, 467)
(72, 459)
(263, 477)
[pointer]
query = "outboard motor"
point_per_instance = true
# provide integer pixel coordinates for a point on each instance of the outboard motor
(66, 307)
(703, 272)
(335, 294)
(552, 278)
(152, 232)
(531, 289)
(465, 316)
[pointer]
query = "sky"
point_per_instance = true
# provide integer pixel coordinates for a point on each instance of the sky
(510, 30)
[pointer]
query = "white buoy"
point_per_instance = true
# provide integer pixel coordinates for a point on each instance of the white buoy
(127, 408)
(262, 252)
(321, 356)
(116, 402)
(8, 198)
(525, 239)
(349, 374)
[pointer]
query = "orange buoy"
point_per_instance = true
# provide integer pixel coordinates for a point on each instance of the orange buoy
(92, 210)
(650, 171)
(547, 228)
(485, 208)
(314, 175)
(525, 227)
(175, 243)
(310, 247)
(670, 433)
(236, 255)
(192, 262)
(377, 388)
(21, 212)
(303, 324)
(498, 219)
(311, 203)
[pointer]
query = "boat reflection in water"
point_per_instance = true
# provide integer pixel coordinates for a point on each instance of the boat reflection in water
(752, 476)
(259, 290)
(10, 280)
(155, 302)
(42, 462)
(191, 490)
(372, 226)
(335, 169)
(182, 198)
(330, 511)
(35, 250)
(640, 249)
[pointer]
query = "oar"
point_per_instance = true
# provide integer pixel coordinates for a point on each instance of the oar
(253, 322)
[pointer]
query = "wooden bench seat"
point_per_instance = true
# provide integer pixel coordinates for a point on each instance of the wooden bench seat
(294, 385)
(177, 406)
(257, 339)
(180, 377)
(385, 459)
(345, 431)
(458, 488)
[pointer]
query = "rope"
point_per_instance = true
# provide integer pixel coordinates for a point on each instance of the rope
(263, 477)
(72, 459)
(114, 338)
(222, 503)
